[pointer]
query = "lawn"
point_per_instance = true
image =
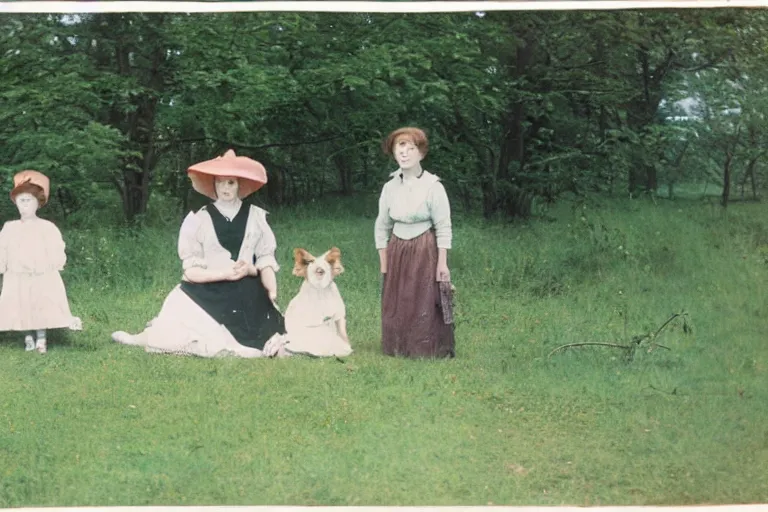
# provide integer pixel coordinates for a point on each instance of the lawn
(92, 423)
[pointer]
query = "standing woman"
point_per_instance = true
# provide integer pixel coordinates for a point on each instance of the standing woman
(413, 235)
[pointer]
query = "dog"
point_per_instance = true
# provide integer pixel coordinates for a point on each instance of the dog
(315, 320)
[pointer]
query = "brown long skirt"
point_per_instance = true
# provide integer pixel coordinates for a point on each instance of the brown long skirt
(411, 314)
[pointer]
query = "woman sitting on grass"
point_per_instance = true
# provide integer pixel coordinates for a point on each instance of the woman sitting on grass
(225, 302)
(413, 235)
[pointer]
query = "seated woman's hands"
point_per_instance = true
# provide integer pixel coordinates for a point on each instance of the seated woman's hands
(240, 269)
(237, 272)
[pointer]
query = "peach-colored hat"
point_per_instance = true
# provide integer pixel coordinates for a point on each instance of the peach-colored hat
(33, 177)
(250, 173)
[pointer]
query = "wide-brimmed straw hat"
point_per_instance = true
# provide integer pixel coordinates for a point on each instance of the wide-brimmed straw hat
(250, 173)
(33, 178)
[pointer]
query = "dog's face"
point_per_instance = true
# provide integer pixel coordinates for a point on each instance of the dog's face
(321, 271)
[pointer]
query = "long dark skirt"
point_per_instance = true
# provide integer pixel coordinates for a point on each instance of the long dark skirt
(411, 315)
(243, 307)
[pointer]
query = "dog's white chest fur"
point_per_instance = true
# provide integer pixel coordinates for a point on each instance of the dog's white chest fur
(315, 307)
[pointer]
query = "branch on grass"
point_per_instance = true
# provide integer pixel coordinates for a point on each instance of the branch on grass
(667, 323)
(673, 392)
(590, 343)
(636, 341)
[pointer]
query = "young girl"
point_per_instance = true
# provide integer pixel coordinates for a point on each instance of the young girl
(33, 298)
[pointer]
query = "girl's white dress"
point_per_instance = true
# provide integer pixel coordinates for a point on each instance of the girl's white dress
(33, 295)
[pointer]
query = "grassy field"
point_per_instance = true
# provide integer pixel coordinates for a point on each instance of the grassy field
(94, 423)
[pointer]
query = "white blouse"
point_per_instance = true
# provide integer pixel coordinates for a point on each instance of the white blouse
(32, 246)
(409, 206)
(199, 247)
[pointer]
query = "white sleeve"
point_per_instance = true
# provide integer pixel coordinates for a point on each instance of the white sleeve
(382, 228)
(266, 244)
(190, 248)
(440, 210)
(57, 249)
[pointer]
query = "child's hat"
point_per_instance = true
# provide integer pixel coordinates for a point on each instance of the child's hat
(33, 178)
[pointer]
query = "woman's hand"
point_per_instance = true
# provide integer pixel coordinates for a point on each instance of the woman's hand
(383, 260)
(442, 273)
(239, 271)
(269, 281)
(250, 268)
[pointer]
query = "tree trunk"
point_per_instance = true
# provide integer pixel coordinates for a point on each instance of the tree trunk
(726, 178)
(276, 186)
(753, 183)
(488, 186)
(651, 178)
(513, 143)
(146, 65)
(749, 174)
(135, 192)
(730, 147)
(641, 114)
(344, 167)
(366, 173)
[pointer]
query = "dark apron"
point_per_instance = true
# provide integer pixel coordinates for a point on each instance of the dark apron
(243, 306)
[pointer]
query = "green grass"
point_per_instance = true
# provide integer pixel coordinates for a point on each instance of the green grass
(94, 423)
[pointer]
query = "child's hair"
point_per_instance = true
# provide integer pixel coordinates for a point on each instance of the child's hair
(30, 188)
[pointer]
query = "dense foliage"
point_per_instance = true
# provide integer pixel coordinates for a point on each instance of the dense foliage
(520, 107)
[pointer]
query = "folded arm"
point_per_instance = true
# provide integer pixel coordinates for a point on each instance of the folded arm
(206, 275)
(192, 255)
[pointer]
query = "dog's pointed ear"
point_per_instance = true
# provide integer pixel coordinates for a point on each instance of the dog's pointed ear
(301, 258)
(333, 257)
